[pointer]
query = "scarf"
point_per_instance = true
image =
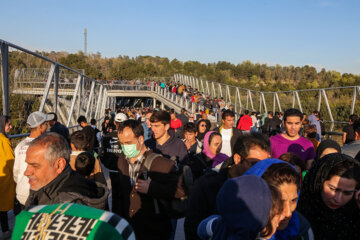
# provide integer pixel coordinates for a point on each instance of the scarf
(218, 158)
(341, 223)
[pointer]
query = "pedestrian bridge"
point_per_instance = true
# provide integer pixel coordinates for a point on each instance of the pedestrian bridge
(71, 93)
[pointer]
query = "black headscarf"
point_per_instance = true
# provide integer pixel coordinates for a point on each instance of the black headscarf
(2, 124)
(327, 144)
(326, 223)
(200, 136)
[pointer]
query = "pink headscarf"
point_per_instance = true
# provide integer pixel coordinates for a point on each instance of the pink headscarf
(206, 150)
(217, 159)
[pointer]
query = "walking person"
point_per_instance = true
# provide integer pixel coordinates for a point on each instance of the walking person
(7, 184)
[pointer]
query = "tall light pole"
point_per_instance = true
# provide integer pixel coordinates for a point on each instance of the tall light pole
(85, 41)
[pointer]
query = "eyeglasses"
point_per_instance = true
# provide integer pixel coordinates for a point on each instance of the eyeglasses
(202, 125)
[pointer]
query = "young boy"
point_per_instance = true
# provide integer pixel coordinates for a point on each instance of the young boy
(79, 142)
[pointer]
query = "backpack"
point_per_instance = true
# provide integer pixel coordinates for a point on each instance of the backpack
(178, 205)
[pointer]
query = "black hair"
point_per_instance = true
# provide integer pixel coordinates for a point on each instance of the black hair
(93, 121)
(244, 143)
(212, 135)
(246, 112)
(135, 126)
(85, 163)
(207, 122)
(55, 116)
(353, 117)
(356, 126)
(293, 112)
(190, 127)
(161, 116)
(79, 140)
(227, 113)
(81, 119)
(293, 159)
(346, 169)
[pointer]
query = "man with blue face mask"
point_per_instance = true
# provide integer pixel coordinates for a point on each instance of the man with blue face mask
(144, 187)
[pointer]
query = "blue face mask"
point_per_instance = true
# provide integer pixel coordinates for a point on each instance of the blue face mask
(130, 150)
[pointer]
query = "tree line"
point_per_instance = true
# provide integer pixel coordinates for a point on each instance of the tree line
(246, 74)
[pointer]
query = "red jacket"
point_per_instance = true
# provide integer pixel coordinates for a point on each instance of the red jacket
(245, 123)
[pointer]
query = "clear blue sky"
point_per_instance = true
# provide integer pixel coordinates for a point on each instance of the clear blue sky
(321, 33)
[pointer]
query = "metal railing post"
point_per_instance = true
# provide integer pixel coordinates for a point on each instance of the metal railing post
(319, 101)
(56, 87)
(98, 101)
(278, 101)
(92, 89)
(79, 98)
(47, 87)
(353, 101)
(5, 77)
(74, 99)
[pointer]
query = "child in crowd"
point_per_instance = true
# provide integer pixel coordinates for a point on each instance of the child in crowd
(84, 164)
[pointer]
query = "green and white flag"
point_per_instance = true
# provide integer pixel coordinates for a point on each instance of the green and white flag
(70, 221)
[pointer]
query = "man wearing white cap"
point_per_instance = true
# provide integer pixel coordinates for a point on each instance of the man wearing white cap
(110, 153)
(38, 124)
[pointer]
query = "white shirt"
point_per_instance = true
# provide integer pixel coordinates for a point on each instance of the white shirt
(22, 182)
(226, 138)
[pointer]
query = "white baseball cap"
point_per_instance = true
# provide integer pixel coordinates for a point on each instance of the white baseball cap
(37, 118)
(120, 117)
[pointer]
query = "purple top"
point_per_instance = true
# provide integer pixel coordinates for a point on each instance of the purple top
(302, 147)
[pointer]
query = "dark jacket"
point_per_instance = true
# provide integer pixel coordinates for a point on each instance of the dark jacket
(271, 125)
(91, 137)
(111, 151)
(173, 147)
(202, 202)
(141, 209)
(236, 134)
(70, 187)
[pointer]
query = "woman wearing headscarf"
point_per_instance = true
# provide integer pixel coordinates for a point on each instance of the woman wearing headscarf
(203, 127)
(248, 208)
(285, 177)
(210, 157)
(326, 147)
(328, 197)
(7, 184)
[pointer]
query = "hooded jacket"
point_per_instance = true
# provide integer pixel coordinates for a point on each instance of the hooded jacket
(298, 227)
(244, 205)
(70, 187)
(173, 147)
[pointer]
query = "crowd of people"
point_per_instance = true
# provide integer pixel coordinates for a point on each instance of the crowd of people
(270, 177)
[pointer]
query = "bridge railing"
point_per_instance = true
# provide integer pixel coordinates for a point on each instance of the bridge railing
(335, 104)
(89, 96)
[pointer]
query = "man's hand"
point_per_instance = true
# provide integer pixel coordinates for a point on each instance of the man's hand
(143, 185)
